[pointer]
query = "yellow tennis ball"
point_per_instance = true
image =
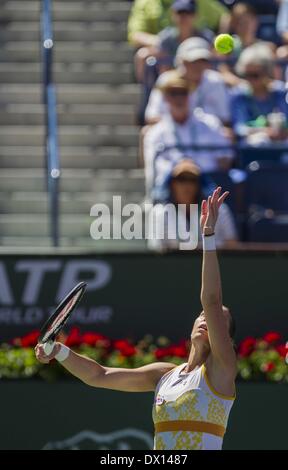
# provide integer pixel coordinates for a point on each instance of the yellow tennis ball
(224, 43)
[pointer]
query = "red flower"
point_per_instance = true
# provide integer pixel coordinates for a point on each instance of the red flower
(92, 339)
(247, 346)
(268, 367)
(282, 350)
(28, 341)
(272, 337)
(179, 351)
(160, 353)
(126, 348)
(74, 338)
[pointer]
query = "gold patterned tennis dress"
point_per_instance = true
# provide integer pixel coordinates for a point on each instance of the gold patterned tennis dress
(188, 413)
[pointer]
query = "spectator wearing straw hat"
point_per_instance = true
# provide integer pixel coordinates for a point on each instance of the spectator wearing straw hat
(199, 135)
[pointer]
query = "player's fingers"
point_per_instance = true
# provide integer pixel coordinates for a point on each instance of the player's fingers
(43, 361)
(222, 198)
(213, 196)
(204, 206)
(209, 203)
(40, 354)
(216, 195)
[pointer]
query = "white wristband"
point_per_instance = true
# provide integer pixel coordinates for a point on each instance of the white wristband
(209, 243)
(63, 353)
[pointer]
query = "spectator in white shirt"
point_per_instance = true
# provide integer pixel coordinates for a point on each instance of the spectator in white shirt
(183, 188)
(182, 132)
(207, 88)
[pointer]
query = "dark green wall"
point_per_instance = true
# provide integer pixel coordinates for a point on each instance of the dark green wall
(152, 294)
(34, 413)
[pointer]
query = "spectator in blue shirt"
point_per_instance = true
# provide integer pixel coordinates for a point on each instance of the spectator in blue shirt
(260, 109)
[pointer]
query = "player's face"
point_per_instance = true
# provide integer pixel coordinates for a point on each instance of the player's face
(200, 329)
(185, 188)
(193, 71)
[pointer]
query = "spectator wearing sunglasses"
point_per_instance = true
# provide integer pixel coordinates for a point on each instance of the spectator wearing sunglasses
(183, 187)
(184, 16)
(199, 135)
(207, 88)
(260, 109)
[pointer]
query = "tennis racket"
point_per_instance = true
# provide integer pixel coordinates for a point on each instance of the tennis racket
(59, 317)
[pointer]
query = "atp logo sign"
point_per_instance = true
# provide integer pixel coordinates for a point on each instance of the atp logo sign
(24, 298)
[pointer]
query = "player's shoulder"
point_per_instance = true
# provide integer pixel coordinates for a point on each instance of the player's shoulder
(158, 370)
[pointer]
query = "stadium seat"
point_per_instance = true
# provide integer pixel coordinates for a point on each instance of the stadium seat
(263, 7)
(267, 29)
(266, 229)
(248, 154)
(267, 202)
(266, 186)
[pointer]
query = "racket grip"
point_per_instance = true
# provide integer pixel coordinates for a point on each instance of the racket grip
(48, 347)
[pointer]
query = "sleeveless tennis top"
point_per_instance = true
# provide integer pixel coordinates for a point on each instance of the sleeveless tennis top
(188, 413)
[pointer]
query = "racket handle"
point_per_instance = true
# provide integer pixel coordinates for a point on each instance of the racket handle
(48, 347)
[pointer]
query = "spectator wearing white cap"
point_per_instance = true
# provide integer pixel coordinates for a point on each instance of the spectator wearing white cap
(207, 88)
(194, 133)
(184, 17)
(182, 188)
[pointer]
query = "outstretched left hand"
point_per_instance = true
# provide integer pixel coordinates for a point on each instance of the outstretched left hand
(210, 210)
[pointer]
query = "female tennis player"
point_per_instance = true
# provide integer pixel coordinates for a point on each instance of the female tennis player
(193, 400)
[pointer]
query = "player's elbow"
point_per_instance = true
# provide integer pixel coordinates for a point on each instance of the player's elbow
(95, 378)
(212, 300)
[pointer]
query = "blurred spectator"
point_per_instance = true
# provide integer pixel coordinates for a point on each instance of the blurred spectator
(260, 110)
(184, 17)
(178, 131)
(265, 7)
(149, 17)
(207, 87)
(183, 186)
(282, 21)
(282, 30)
(244, 28)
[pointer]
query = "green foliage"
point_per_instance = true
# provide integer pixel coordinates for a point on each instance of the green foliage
(261, 359)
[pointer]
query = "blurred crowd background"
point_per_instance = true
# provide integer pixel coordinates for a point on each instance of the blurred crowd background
(135, 101)
(209, 119)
